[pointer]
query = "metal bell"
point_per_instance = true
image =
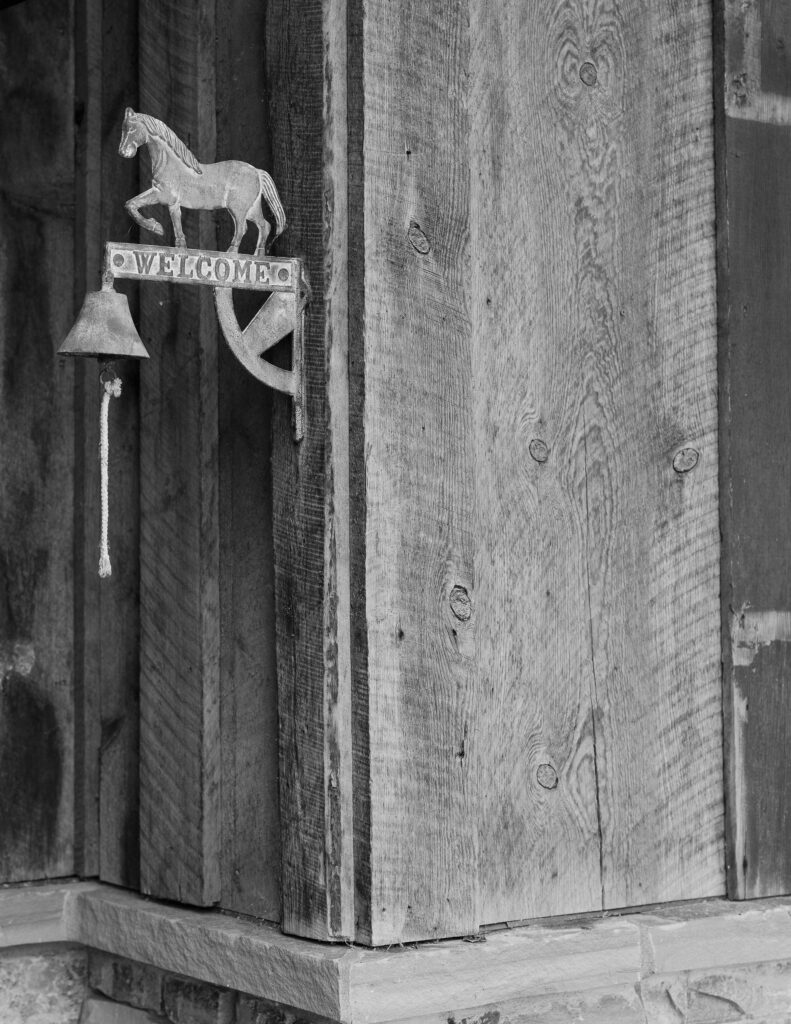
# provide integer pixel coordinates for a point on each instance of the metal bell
(104, 329)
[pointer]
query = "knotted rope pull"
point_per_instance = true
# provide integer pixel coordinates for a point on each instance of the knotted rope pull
(112, 389)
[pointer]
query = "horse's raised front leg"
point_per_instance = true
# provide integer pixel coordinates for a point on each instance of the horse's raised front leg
(151, 197)
(178, 231)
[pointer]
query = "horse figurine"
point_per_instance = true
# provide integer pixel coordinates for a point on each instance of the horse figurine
(178, 179)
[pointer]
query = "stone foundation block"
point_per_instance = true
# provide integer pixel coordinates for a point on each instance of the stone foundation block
(97, 1010)
(190, 1002)
(126, 981)
(45, 986)
(250, 1010)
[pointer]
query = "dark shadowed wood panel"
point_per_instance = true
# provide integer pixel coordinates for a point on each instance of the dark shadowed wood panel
(306, 72)
(179, 587)
(421, 605)
(37, 449)
(597, 569)
(755, 257)
(250, 843)
(107, 620)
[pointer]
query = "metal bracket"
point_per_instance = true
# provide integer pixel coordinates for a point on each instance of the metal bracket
(282, 313)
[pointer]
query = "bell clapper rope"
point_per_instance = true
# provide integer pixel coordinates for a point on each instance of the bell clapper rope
(111, 384)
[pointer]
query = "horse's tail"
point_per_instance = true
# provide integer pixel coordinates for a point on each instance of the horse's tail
(269, 192)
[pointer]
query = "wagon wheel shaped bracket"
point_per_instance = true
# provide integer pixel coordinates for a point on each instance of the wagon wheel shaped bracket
(282, 313)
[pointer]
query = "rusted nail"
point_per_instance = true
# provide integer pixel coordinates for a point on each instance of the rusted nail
(418, 238)
(685, 460)
(547, 776)
(588, 73)
(460, 603)
(538, 449)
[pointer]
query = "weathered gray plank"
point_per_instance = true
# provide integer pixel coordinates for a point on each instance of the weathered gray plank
(417, 423)
(540, 841)
(37, 450)
(179, 586)
(596, 574)
(653, 536)
(306, 66)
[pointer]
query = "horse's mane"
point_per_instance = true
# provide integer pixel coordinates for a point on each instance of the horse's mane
(161, 131)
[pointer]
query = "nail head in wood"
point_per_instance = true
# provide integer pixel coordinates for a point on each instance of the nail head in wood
(685, 460)
(588, 73)
(538, 450)
(546, 776)
(460, 604)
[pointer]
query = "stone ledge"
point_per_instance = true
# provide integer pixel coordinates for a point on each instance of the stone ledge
(622, 963)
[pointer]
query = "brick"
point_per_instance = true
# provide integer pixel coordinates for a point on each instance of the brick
(192, 1002)
(97, 1010)
(251, 1010)
(126, 981)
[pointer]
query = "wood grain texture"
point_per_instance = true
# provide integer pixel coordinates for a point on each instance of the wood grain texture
(249, 828)
(417, 423)
(533, 566)
(107, 621)
(597, 582)
(306, 71)
(756, 506)
(179, 592)
(540, 848)
(37, 452)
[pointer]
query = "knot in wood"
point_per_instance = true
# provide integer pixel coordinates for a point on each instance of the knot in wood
(460, 604)
(685, 460)
(538, 450)
(588, 73)
(546, 776)
(418, 239)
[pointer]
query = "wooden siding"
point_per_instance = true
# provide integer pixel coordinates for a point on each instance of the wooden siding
(532, 479)
(179, 506)
(249, 826)
(306, 71)
(593, 300)
(754, 90)
(37, 740)
(107, 620)
(209, 812)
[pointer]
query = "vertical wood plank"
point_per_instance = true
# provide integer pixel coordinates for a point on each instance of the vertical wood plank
(250, 830)
(306, 71)
(107, 619)
(651, 461)
(540, 830)
(179, 591)
(87, 269)
(755, 378)
(420, 598)
(594, 299)
(533, 593)
(119, 843)
(37, 452)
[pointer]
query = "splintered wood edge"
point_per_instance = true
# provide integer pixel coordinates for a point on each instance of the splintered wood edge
(363, 986)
